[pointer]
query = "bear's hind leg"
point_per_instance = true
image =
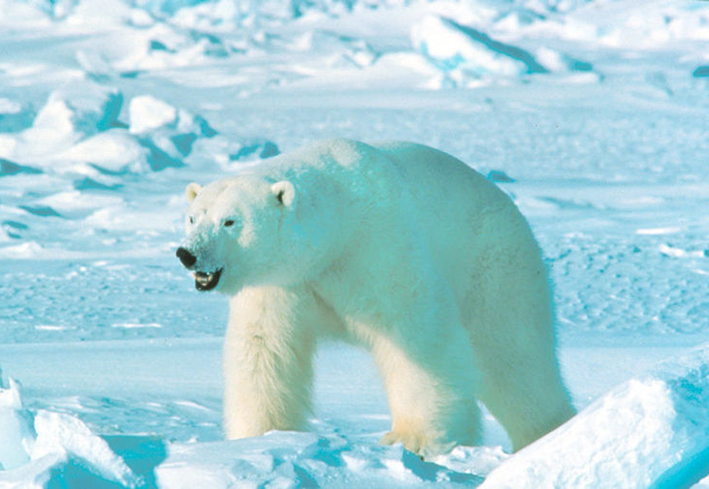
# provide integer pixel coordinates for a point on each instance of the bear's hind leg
(268, 354)
(529, 402)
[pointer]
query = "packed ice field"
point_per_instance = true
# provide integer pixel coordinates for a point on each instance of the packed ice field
(591, 115)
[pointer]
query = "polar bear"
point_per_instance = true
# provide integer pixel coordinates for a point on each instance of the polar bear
(394, 246)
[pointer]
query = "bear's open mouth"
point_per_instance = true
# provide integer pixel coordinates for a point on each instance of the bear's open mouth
(206, 281)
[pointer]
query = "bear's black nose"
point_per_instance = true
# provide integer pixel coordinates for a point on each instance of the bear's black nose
(187, 258)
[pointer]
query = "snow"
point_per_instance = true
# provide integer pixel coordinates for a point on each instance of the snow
(16, 434)
(43, 448)
(146, 113)
(591, 115)
(652, 431)
(451, 45)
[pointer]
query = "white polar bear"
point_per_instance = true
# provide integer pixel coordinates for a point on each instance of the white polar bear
(397, 247)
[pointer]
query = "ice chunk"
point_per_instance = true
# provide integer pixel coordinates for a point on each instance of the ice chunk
(557, 61)
(95, 65)
(117, 152)
(652, 431)
(147, 113)
(451, 45)
(159, 159)
(166, 131)
(62, 433)
(113, 150)
(16, 434)
(64, 453)
(53, 126)
(508, 51)
(73, 112)
(94, 107)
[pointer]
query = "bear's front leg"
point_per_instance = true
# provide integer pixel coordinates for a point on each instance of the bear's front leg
(268, 361)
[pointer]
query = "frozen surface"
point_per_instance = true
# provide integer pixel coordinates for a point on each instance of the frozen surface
(652, 431)
(156, 405)
(591, 114)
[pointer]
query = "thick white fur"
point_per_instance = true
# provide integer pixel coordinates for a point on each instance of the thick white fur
(394, 246)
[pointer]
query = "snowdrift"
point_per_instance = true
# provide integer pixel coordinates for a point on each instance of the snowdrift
(652, 431)
(51, 449)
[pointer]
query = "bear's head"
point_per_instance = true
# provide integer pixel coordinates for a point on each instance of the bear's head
(240, 231)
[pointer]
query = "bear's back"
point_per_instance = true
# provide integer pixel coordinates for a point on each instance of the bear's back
(468, 221)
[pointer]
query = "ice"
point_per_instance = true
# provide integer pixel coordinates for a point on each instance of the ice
(451, 48)
(16, 433)
(56, 8)
(28, 249)
(7, 106)
(14, 116)
(300, 460)
(53, 125)
(148, 113)
(9, 168)
(652, 431)
(75, 110)
(80, 126)
(701, 72)
(70, 114)
(50, 448)
(40, 210)
(61, 433)
(251, 150)
(162, 46)
(166, 7)
(499, 177)
(458, 48)
(89, 184)
(114, 150)
(169, 133)
(561, 62)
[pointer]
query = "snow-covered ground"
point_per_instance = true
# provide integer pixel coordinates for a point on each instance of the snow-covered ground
(593, 115)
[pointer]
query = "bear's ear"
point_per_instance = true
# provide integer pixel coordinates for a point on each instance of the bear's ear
(192, 190)
(284, 192)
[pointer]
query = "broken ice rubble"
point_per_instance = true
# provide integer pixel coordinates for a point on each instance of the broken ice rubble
(652, 431)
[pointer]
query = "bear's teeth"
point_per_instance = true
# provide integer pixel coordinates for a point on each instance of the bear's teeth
(203, 278)
(206, 281)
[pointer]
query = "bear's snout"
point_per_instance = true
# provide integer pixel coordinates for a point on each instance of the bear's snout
(187, 258)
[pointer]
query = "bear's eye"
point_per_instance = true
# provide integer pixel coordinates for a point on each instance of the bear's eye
(228, 223)
(191, 219)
